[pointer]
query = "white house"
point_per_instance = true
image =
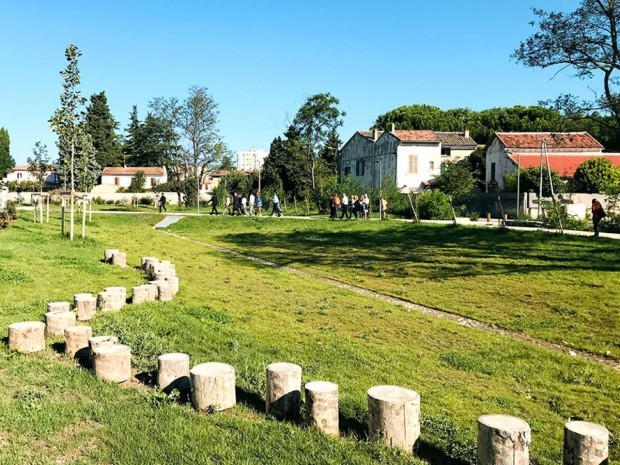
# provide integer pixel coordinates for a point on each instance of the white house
(251, 160)
(412, 158)
(566, 151)
(121, 177)
(455, 145)
(20, 173)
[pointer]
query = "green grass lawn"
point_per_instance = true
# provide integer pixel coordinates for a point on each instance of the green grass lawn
(562, 289)
(248, 315)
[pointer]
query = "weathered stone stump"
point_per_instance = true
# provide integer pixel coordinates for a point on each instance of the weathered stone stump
(119, 259)
(98, 341)
(213, 387)
(174, 284)
(112, 299)
(394, 416)
(58, 307)
(503, 440)
(173, 372)
(76, 341)
(322, 406)
(112, 362)
(56, 322)
(85, 306)
(153, 291)
(27, 336)
(164, 290)
(146, 261)
(140, 294)
(283, 390)
(585, 443)
(108, 253)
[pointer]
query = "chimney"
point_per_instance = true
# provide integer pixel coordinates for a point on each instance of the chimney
(393, 127)
(375, 133)
(466, 133)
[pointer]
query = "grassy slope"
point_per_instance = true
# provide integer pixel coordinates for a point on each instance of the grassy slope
(561, 289)
(238, 312)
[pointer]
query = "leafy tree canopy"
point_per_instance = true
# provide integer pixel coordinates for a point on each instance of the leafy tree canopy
(457, 181)
(6, 161)
(596, 175)
(100, 124)
(530, 181)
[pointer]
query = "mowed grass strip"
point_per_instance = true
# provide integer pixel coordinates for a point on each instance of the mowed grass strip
(242, 313)
(562, 289)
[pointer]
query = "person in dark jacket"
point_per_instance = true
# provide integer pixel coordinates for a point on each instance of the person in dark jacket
(214, 201)
(598, 213)
(162, 203)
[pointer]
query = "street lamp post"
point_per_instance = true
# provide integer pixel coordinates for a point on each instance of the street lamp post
(380, 191)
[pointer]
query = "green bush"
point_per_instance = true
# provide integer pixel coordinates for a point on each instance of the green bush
(98, 201)
(145, 201)
(8, 215)
(434, 205)
(474, 216)
(552, 219)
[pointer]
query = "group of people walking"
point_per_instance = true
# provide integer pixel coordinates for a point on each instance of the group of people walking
(242, 205)
(354, 206)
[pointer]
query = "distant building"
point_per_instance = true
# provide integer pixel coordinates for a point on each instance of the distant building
(411, 158)
(121, 177)
(20, 173)
(566, 151)
(455, 145)
(251, 160)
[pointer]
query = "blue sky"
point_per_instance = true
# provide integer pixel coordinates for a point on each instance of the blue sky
(261, 59)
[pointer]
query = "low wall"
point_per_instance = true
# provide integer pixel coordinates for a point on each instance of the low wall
(172, 198)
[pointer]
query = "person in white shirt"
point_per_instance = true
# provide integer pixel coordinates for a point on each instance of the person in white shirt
(251, 204)
(366, 203)
(244, 202)
(346, 213)
(276, 205)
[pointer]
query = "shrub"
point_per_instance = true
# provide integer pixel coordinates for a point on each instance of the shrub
(552, 219)
(434, 205)
(146, 201)
(98, 200)
(474, 216)
(8, 215)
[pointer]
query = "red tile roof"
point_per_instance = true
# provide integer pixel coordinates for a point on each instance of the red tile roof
(554, 140)
(120, 171)
(370, 134)
(415, 136)
(562, 163)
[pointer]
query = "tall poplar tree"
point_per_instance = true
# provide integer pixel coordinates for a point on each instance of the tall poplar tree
(6, 161)
(101, 126)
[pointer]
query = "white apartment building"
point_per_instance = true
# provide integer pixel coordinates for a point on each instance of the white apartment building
(251, 160)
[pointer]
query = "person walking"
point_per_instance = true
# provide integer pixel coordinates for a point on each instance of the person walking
(162, 203)
(227, 207)
(236, 204)
(259, 204)
(384, 207)
(276, 205)
(357, 206)
(598, 213)
(346, 213)
(244, 202)
(251, 201)
(366, 206)
(214, 202)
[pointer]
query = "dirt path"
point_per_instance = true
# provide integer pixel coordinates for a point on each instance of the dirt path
(458, 319)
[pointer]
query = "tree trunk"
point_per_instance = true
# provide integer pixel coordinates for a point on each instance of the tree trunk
(72, 207)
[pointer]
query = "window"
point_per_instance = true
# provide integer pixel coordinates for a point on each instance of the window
(153, 182)
(413, 164)
(347, 170)
(117, 181)
(19, 175)
(446, 151)
(492, 171)
(432, 166)
(360, 166)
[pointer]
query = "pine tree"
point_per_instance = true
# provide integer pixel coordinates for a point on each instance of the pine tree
(6, 161)
(100, 124)
(130, 144)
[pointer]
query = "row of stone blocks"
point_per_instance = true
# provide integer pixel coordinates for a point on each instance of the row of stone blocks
(393, 411)
(115, 257)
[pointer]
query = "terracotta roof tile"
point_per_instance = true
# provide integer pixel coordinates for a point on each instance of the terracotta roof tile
(120, 171)
(455, 139)
(563, 163)
(369, 134)
(554, 140)
(415, 136)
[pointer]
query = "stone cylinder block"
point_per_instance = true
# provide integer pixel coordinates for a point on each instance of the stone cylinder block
(108, 253)
(140, 294)
(58, 307)
(146, 261)
(213, 387)
(394, 416)
(56, 322)
(28, 336)
(112, 362)
(173, 372)
(153, 291)
(97, 341)
(85, 306)
(119, 259)
(164, 290)
(174, 284)
(322, 406)
(112, 299)
(283, 390)
(585, 443)
(503, 440)
(76, 341)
